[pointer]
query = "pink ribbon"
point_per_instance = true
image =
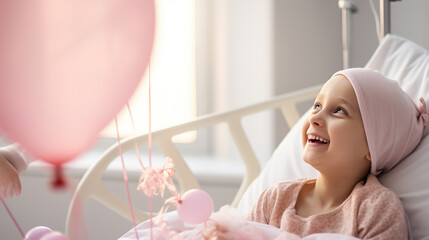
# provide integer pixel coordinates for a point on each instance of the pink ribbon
(13, 218)
(153, 181)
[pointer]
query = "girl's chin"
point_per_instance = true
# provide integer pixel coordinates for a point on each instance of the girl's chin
(312, 159)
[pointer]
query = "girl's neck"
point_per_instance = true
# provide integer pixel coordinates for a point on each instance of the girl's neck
(322, 196)
(331, 192)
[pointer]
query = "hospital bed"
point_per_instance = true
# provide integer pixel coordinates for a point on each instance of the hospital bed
(396, 57)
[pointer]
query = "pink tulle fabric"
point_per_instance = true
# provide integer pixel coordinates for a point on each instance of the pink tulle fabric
(226, 224)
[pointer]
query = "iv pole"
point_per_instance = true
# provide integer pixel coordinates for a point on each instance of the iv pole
(347, 8)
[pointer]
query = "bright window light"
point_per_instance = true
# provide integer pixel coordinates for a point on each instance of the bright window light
(172, 73)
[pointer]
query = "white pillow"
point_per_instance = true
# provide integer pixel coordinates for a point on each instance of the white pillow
(285, 164)
(401, 60)
(410, 180)
(408, 63)
(404, 61)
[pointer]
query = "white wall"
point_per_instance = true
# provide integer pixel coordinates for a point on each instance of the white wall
(307, 39)
(240, 42)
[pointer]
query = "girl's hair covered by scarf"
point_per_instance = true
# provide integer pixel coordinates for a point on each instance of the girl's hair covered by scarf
(393, 122)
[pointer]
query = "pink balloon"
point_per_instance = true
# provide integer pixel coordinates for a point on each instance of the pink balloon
(37, 233)
(196, 206)
(54, 236)
(67, 68)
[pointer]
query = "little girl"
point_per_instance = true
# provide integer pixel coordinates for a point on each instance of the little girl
(361, 125)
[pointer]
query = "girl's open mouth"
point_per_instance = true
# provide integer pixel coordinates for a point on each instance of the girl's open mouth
(317, 139)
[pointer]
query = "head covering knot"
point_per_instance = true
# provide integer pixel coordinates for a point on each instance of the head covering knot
(392, 121)
(423, 111)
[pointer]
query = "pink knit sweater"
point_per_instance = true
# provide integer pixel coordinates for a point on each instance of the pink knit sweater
(370, 212)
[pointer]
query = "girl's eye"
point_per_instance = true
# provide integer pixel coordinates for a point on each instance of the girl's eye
(341, 111)
(317, 106)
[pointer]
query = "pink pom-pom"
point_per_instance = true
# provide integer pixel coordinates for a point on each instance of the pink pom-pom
(44, 233)
(37, 233)
(195, 207)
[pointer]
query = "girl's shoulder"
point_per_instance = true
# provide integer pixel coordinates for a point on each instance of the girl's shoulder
(371, 192)
(380, 213)
(373, 185)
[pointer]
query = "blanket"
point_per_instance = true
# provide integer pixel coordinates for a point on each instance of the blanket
(224, 224)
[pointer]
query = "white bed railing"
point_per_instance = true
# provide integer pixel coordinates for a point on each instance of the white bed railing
(91, 184)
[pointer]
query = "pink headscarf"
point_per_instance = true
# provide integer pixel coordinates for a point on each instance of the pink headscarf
(393, 122)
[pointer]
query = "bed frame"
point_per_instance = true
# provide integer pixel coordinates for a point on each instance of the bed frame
(91, 186)
(91, 183)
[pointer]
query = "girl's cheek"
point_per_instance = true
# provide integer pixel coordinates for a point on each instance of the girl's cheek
(305, 127)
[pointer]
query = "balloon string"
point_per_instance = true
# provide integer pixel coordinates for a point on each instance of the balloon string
(150, 122)
(78, 227)
(124, 172)
(150, 151)
(13, 218)
(135, 142)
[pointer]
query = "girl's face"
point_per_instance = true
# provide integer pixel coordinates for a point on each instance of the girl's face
(333, 136)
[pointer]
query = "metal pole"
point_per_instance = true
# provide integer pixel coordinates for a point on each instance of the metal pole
(384, 17)
(346, 37)
(347, 8)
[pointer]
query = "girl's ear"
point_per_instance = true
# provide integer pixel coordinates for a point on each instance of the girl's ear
(368, 156)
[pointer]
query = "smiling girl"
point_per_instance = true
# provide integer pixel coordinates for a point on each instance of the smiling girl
(361, 125)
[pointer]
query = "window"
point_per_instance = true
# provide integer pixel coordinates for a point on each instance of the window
(172, 74)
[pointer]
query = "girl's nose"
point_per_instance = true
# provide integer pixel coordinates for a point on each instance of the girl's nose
(316, 119)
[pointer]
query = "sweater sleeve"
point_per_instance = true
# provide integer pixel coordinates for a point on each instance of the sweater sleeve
(16, 156)
(382, 217)
(260, 212)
